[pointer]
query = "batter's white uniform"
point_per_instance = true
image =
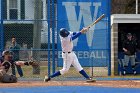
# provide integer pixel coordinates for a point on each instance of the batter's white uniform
(69, 57)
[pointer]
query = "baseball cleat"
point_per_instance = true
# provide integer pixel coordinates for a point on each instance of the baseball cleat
(46, 79)
(124, 72)
(134, 72)
(91, 80)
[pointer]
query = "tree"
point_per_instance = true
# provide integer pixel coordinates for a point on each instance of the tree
(123, 6)
(130, 7)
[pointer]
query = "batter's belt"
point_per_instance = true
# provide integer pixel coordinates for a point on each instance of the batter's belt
(66, 52)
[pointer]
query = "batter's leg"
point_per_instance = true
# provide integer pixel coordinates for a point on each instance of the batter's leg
(66, 65)
(46, 79)
(78, 67)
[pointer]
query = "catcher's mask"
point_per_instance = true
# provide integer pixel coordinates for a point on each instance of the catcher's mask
(64, 32)
(8, 53)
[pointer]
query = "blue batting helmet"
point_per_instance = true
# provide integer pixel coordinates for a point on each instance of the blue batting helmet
(64, 32)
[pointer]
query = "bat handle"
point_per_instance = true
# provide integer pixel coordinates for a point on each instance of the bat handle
(88, 27)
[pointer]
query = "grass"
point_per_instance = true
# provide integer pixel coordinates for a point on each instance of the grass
(28, 73)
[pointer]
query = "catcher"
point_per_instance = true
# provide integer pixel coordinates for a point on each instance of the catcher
(6, 64)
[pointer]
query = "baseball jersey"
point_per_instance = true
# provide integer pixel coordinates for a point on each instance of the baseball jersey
(66, 43)
(7, 64)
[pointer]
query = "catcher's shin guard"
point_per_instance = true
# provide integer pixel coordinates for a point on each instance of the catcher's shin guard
(46, 79)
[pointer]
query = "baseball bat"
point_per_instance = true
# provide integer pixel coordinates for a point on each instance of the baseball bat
(96, 21)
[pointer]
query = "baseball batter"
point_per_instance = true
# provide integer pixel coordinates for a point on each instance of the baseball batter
(69, 57)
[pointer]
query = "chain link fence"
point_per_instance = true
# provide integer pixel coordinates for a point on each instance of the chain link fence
(34, 24)
(26, 20)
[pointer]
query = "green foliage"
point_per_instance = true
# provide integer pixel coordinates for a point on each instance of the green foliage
(130, 7)
(123, 6)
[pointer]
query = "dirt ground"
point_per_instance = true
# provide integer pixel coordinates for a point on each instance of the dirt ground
(126, 83)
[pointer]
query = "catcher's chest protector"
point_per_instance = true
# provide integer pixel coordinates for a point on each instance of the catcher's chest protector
(7, 78)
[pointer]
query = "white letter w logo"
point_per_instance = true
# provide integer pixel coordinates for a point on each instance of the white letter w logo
(84, 14)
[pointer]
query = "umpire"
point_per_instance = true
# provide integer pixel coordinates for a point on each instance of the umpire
(129, 48)
(15, 49)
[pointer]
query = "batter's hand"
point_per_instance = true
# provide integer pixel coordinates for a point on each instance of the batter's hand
(127, 53)
(84, 30)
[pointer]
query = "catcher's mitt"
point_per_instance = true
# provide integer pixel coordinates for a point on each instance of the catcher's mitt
(33, 63)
